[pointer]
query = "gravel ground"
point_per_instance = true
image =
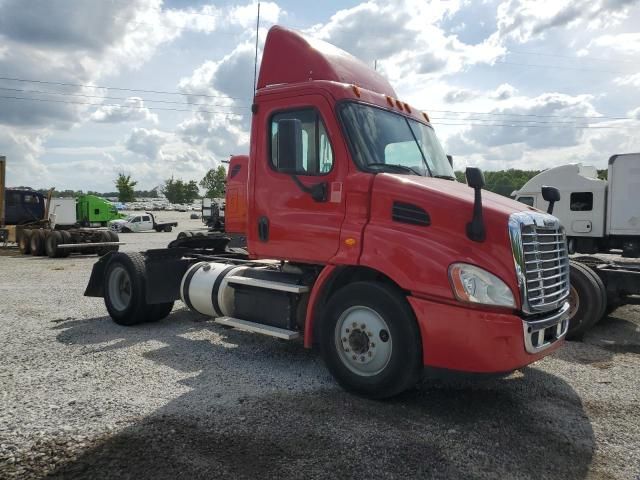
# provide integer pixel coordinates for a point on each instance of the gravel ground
(81, 397)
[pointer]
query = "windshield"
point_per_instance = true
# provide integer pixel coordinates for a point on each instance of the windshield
(383, 140)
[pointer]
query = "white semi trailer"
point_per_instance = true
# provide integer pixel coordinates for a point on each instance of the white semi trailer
(598, 215)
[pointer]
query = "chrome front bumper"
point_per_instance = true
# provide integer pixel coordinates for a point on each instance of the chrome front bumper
(541, 333)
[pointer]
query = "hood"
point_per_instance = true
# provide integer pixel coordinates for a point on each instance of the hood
(119, 220)
(433, 246)
(461, 195)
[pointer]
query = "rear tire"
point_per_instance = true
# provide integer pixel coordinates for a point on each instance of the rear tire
(125, 289)
(168, 228)
(585, 299)
(36, 243)
(159, 311)
(24, 243)
(370, 340)
(104, 237)
(66, 239)
(51, 244)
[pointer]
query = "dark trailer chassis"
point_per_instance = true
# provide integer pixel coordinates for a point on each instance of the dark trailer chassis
(621, 279)
(164, 268)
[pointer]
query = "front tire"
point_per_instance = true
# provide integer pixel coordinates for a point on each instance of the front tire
(370, 340)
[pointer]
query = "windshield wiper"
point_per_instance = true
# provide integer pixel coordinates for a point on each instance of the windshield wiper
(395, 166)
(446, 177)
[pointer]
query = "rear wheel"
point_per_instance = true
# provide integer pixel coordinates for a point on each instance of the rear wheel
(104, 237)
(51, 244)
(586, 300)
(159, 311)
(114, 238)
(370, 340)
(24, 242)
(167, 229)
(125, 289)
(36, 243)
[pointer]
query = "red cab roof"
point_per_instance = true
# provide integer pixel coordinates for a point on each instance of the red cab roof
(290, 57)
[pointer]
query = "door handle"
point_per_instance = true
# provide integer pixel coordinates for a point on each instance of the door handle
(263, 229)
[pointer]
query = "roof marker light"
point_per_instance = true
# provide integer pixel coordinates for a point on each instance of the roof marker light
(390, 100)
(426, 117)
(356, 90)
(407, 107)
(399, 104)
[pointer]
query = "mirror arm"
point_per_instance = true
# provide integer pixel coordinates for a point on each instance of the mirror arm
(475, 228)
(318, 191)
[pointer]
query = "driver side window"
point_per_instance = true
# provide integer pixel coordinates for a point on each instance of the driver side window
(317, 154)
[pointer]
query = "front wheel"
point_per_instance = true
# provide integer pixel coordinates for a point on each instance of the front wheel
(370, 340)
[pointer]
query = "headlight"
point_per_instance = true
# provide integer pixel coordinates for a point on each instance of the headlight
(473, 284)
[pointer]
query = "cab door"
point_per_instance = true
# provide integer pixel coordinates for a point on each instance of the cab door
(135, 224)
(145, 224)
(297, 206)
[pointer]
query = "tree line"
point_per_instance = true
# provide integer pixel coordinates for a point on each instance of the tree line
(504, 182)
(177, 190)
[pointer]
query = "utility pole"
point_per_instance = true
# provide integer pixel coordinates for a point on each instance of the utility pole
(3, 162)
(255, 62)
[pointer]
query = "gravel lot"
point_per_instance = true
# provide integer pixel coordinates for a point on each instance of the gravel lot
(81, 397)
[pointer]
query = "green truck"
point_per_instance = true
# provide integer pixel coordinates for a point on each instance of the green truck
(92, 211)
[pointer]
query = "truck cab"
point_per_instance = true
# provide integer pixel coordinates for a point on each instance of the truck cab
(598, 215)
(360, 240)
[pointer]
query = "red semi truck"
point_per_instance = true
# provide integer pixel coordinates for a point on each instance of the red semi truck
(359, 239)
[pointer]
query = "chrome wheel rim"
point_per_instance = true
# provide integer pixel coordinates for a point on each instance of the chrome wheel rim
(363, 341)
(119, 286)
(574, 302)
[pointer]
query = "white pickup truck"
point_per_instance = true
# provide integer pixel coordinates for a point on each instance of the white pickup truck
(140, 223)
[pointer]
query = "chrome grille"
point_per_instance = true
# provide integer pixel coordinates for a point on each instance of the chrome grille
(542, 261)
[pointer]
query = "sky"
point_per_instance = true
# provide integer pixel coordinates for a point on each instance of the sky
(523, 84)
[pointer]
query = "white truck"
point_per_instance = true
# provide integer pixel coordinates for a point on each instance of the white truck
(598, 215)
(140, 223)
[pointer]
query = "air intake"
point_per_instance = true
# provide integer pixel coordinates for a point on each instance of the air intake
(409, 213)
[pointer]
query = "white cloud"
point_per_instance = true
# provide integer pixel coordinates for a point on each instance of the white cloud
(522, 20)
(132, 110)
(504, 92)
(631, 80)
(146, 142)
(628, 43)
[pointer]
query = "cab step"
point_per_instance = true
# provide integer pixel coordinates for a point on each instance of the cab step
(258, 328)
(268, 284)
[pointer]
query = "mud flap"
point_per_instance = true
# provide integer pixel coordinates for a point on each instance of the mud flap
(95, 288)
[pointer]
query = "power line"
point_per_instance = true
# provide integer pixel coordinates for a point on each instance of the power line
(164, 92)
(65, 94)
(595, 117)
(561, 67)
(222, 113)
(575, 127)
(572, 57)
(519, 121)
